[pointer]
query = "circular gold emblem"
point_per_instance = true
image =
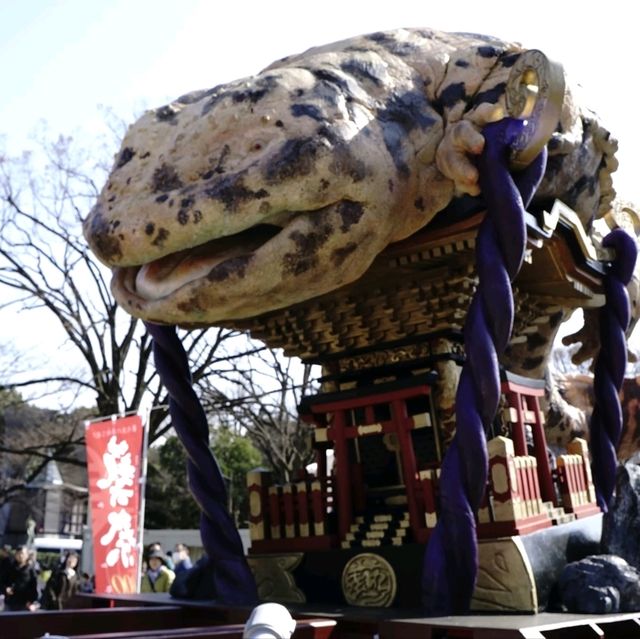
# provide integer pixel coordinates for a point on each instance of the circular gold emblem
(369, 580)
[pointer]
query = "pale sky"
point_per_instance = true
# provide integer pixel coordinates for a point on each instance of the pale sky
(61, 59)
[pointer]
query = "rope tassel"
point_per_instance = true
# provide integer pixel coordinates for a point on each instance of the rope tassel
(606, 420)
(451, 559)
(233, 581)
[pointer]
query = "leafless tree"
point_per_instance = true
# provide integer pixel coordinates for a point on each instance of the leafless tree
(262, 401)
(46, 268)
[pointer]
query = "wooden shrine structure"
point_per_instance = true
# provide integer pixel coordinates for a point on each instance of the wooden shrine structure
(388, 345)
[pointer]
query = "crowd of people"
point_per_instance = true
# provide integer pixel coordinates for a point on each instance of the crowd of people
(25, 586)
(22, 586)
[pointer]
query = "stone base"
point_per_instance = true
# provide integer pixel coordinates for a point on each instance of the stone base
(517, 574)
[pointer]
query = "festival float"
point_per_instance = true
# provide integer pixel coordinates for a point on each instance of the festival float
(416, 212)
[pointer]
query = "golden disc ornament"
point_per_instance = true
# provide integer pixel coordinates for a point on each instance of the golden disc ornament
(369, 580)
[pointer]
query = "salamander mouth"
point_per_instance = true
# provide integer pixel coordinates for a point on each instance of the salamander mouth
(163, 277)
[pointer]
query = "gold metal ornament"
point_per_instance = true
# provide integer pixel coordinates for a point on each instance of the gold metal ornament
(369, 580)
(535, 93)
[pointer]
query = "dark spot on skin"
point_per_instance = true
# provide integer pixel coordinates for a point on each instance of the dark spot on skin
(388, 41)
(324, 184)
(488, 52)
(112, 198)
(453, 94)
(219, 168)
(231, 191)
(331, 78)
(294, 159)
(167, 114)
(162, 198)
(126, 155)
(309, 110)
(182, 217)
(217, 95)
(329, 135)
(192, 305)
(162, 235)
(165, 178)
(265, 207)
(490, 96)
(363, 70)
(187, 202)
(339, 255)
(390, 185)
(350, 213)
(553, 143)
(408, 109)
(356, 49)
(197, 216)
(235, 266)
(150, 228)
(101, 234)
(307, 245)
(144, 156)
(279, 123)
(261, 87)
(531, 363)
(419, 204)
(507, 60)
(196, 96)
(427, 34)
(402, 114)
(584, 183)
(345, 163)
(535, 341)
(462, 64)
(380, 37)
(554, 166)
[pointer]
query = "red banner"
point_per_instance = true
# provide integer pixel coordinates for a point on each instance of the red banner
(114, 461)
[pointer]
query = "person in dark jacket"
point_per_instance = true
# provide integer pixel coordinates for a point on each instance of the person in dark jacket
(20, 584)
(181, 558)
(62, 584)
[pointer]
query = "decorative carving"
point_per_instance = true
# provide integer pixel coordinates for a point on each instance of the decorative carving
(382, 358)
(505, 577)
(369, 580)
(274, 578)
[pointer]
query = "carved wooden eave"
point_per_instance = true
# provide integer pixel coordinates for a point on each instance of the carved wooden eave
(424, 285)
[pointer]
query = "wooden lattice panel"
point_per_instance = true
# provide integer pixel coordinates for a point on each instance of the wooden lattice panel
(423, 285)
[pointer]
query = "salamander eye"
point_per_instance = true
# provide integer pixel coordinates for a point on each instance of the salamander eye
(257, 145)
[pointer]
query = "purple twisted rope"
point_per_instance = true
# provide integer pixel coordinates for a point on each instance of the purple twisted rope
(233, 581)
(451, 559)
(606, 420)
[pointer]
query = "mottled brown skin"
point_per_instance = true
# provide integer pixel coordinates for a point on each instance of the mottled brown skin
(271, 190)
